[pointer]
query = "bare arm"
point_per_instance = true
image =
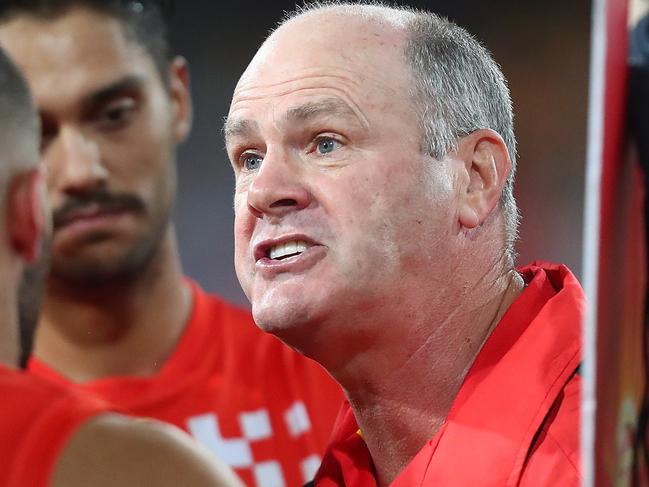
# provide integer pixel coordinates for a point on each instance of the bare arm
(113, 450)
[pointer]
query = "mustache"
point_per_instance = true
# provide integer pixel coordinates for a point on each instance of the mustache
(106, 201)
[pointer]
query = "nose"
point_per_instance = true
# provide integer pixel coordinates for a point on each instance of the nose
(278, 187)
(74, 162)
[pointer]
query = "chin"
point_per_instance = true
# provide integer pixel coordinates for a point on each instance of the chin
(97, 272)
(290, 322)
(272, 319)
(291, 310)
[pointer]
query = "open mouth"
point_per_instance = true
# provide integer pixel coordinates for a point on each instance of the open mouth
(287, 249)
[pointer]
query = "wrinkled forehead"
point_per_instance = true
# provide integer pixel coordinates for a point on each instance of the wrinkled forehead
(371, 46)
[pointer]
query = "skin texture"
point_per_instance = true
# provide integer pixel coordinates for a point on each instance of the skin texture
(329, 189)
(110, 126)
(120, 142)
(24, 218)
(404, 276)
(110, 450)
(26, 225)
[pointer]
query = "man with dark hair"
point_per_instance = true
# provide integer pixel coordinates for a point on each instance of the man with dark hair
(52, 436)
(374, 153)
(142, 21)
(119, 319)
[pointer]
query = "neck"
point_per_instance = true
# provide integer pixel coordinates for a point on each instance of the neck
(402, 389)
(129, 328)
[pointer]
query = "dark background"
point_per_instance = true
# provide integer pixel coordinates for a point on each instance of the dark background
(543, 48)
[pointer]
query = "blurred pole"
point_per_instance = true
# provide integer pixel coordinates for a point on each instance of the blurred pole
(639, 131)
(591, 235)
(614, 267)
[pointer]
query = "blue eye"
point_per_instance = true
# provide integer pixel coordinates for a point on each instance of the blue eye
(251, 162)
(326, 145)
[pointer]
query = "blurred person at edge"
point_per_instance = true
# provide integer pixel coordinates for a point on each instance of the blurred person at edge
(51, 435)
(119, 319)
(373, 151)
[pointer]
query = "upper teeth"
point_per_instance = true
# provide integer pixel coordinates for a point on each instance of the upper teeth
(287, 248)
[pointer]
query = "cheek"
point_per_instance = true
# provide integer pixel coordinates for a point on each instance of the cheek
(51, 194)
(55, 178)
(363, 210)
(144, 168)
(244, 265)
(397, 220)
(244, 223)
(144, 147)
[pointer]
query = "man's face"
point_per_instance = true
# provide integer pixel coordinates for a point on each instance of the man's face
(338, 214)
(109, 129)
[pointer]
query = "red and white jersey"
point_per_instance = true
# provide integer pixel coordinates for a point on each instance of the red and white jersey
(37, 418)
(264, 409)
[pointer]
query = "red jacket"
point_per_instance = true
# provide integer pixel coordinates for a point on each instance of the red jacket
(515, 420)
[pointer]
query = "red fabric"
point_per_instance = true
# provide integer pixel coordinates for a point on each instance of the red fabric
(232, 386)
(515, 420)
(36, 420)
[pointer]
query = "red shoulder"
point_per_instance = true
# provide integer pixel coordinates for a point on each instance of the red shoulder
(37, 420)
(554, 458)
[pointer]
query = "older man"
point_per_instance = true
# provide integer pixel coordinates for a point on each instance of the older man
(119, 319)
(374, 152)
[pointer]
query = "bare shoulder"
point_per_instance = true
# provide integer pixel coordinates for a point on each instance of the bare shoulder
(113, 450)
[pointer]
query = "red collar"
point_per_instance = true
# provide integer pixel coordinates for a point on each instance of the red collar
(506, 395)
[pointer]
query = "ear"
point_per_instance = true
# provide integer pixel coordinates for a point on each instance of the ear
(487, 165)
(179, 92)
(26, 214)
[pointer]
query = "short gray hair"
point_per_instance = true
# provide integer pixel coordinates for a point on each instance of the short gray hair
(460, 89)
(456, 85)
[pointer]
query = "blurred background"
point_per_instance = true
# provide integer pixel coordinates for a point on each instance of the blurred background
(543, 48)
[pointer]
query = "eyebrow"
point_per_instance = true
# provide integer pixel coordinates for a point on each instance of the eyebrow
(106, 93)
(299, 114)
(311, 110)
(238, 128)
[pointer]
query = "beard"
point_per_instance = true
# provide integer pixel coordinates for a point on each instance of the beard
(99, 271)
(30, 294)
